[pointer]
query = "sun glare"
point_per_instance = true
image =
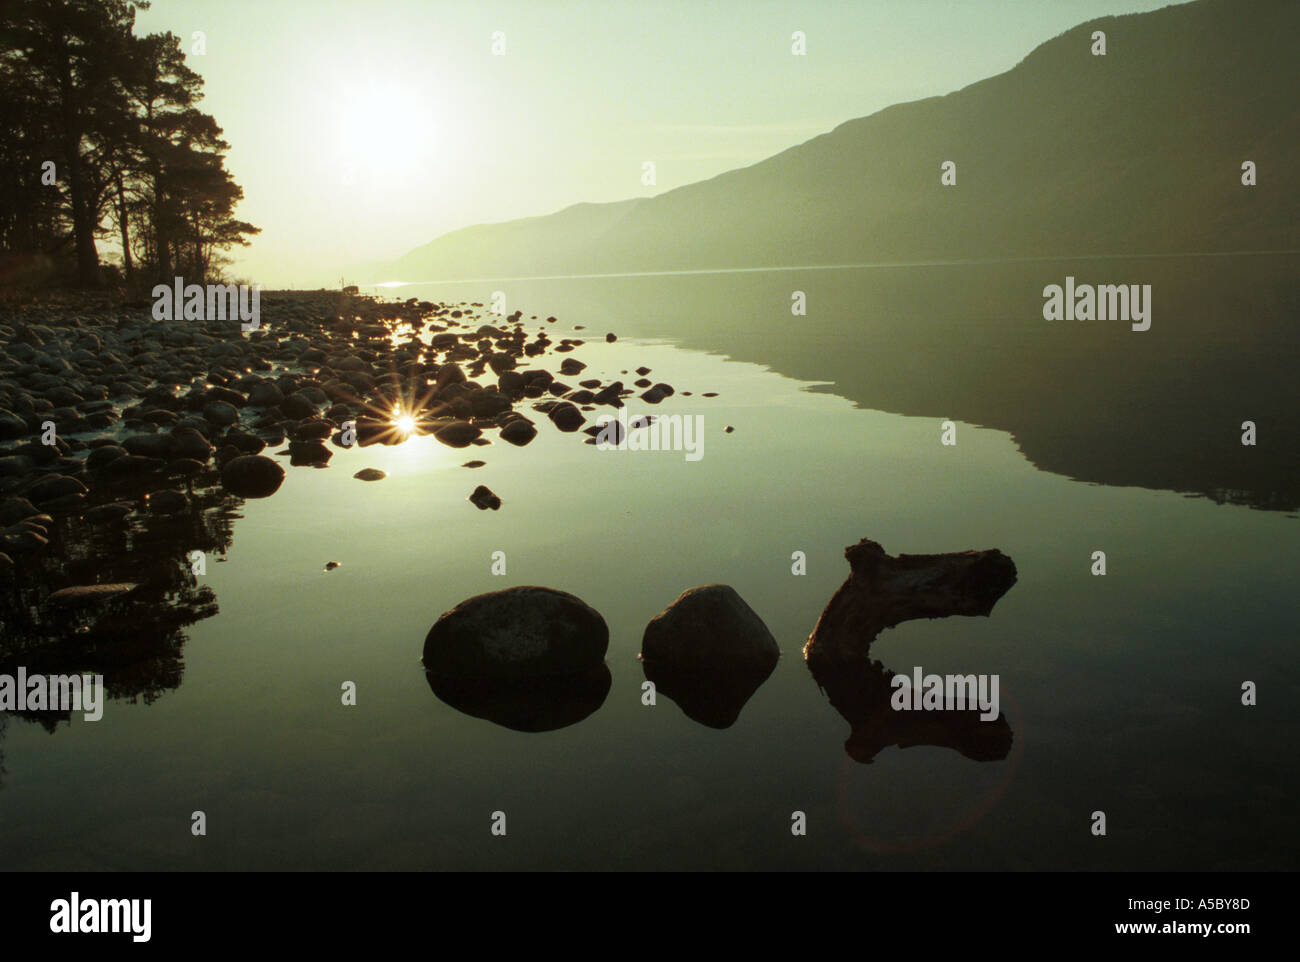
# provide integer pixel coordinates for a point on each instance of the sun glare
(405, 423)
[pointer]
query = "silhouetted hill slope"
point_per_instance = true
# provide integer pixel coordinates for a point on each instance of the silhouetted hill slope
(1068, 153)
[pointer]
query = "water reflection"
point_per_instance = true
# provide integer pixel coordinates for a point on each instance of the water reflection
(541, 704)
(134, 639)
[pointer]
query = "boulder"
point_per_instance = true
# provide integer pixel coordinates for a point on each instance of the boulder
(709, 652)
(252, 476)
(515, 634)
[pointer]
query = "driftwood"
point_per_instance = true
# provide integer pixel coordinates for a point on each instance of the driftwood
(881, 592)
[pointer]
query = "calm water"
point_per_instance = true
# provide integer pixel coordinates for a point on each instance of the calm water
(1123, 691)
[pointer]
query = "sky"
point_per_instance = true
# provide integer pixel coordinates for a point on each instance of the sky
(360, 129)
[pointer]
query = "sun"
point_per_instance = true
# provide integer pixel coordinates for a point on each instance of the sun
(404, 423)
(384, 126)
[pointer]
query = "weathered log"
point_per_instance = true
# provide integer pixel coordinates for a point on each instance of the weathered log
(883, 591)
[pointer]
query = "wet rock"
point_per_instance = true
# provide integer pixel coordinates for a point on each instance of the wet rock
(16, 466)
(130, 466)
(297, 406)
(473, 464)
(709, 652)
(518, 431)
(108, 513)
(189, 442)
(309, 453)
(566, 416)
(456, 434)
(167, 501)
(265, 394)
(148, 445)
(54, 487)
(610, 394)
(370, 474)
(484, 499)
(252, 476)
(448, 374)
(519, 633)
(571, 366)
(657, 393)
(221, 413)
(21, 541)
(12, 426)
(100, 456)
(245, 442)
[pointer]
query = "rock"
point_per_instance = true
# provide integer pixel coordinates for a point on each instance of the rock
(82, 595)
(13, 510)
(610, 394)
(148, 445)
(571, 365)
(483, 499)
(566, 416)
(611, 338)
(370, 474)
(246, 443)
(130, 466)
(456, 434)
(309, 452)
(12, 426)
(657, 393)
(186, 442)
(331, 565)
(16, 466)
(21, 541)
(167, 501)
(473, 464)
(55, 486)
(728, 429)
(709, 652)
(516, 634)
(186, 468)
(265, 395)
(518, 431)
(449, 373)
(221, 413)
(252, 476)
(100, 456)
(297, 406)
(104, 513)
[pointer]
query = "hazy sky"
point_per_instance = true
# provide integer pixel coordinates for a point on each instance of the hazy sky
(363, 128)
